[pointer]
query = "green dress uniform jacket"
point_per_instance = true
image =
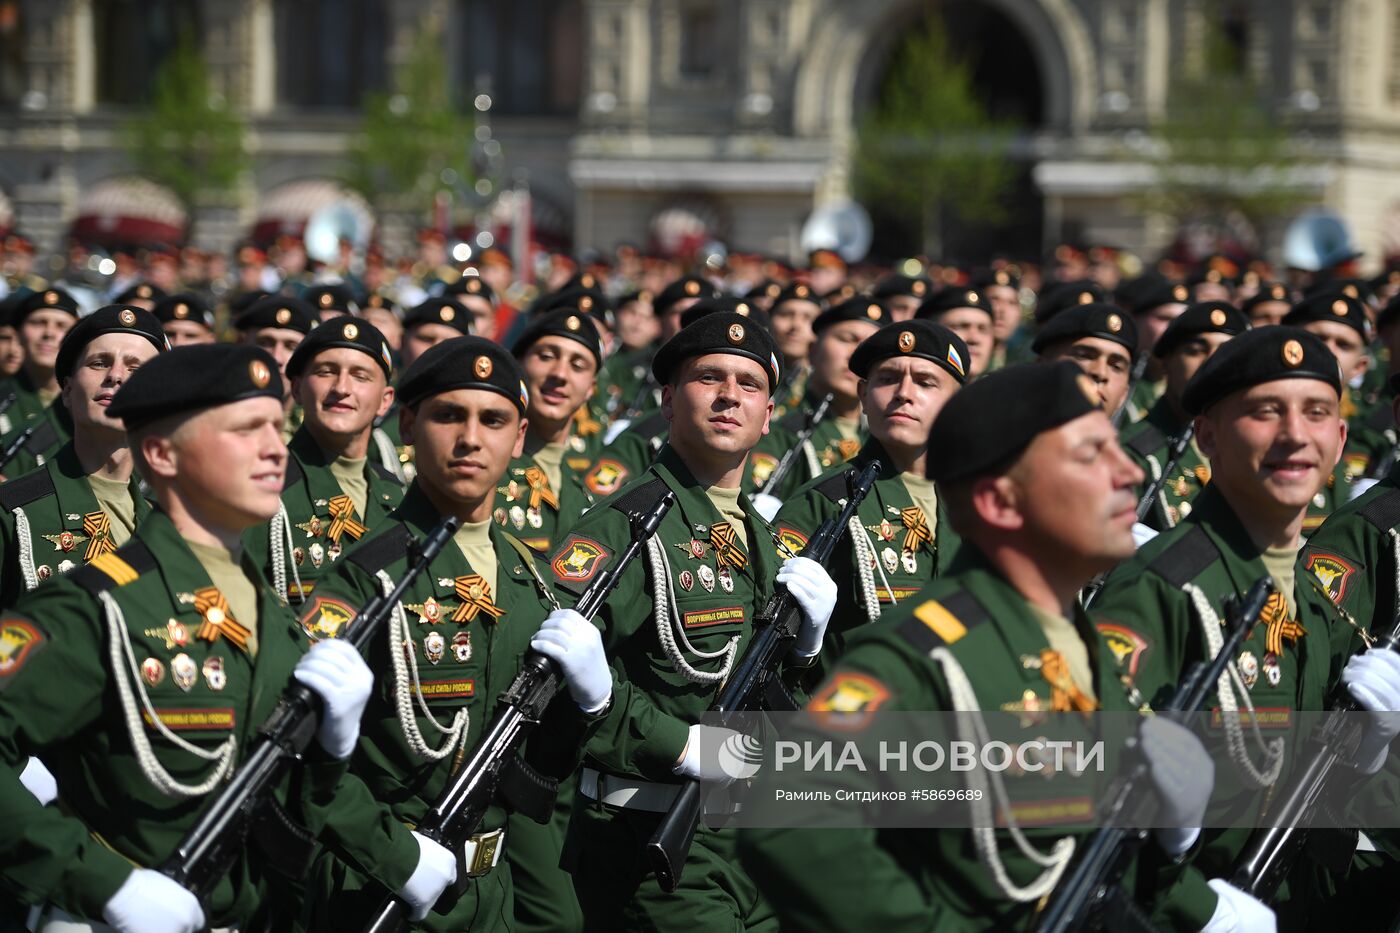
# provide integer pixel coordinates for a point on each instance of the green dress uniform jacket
(318, 521)
(968, 630)
(52, 429)
(657, 629)
(826, 448)
(458, 648)
(27, 405)
(620, 380)
(51, 522)
(1147, 443)
(83, 702)
(538, 513)
(1354, 556)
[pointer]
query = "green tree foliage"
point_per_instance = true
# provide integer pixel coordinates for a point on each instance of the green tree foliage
(930, 150)
(187, 138)
(414, 140)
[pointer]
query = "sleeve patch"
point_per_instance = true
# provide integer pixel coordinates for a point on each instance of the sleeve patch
(848, 701)
(1332, 572)
(1126, 645)
(579, 560)
(606, 477)
(762, 466)
(327, 617)
(19, 641)
(791, 540)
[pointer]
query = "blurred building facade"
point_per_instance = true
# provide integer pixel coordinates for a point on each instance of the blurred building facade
(736, 116)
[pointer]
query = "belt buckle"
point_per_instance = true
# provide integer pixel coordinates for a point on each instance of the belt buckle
(484, 851)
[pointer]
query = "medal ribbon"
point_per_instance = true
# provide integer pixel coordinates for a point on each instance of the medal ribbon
(343, 520)
(539, 489)
(584, 424)
(475, 594)
(1279, 626)
(1202, 473)
(218, 620)
(1065, 695)
(722, 539)
(98, 527)
(918, 534)
(847, 448)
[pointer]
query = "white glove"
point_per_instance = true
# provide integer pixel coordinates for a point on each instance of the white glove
(335, 672)
(574, 643)
(616, 428)
(1238, 912)
(437, 868)
(1184, 776)
(1142, 534)
(766, 505)
(815, 592)
(149, 902)
(1373, 680)
(727, 756)
(39, 781)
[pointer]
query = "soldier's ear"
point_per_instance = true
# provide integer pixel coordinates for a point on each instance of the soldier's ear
(157, 452)
(520, 437)
(997, 502)
(386, 402)
(1205, 436)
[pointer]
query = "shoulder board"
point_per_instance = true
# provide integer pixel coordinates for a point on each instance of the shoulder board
(25, 489)
(1183, 560)
(1149, 439)
(118, 568)
(382, 550)
(640, 497)
(294, 473)
(937, 622)
(384, 473)
(44, 437)
(836, 487)
(1383, 511)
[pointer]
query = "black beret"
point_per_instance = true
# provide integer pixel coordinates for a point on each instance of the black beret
(1352, 288)
(576, 299)
(1203, 317)
(983, 428)
(246, 300)
(950, 299)
(560, 323)
(345, 331)
(1268, 291)
(1260, 355)
(923, 339)
(331, 298)
(725, 303)
(277, 311)
(48, 299)
(637, 294)
(377, 300)
(1335, 307)
(985, 278)
(463, 363)
(1212, 275)
(584, 281)
(440, 310)
(796, 291)
(1389, 314)
(870, 310)
(837, 295)
(184, 306)
(912, 286)
(768, 288)
(687, 286)
(1057, 298)
(141, 291)
(1164, 292)
(112, 319)
(471, 285)
(8, 305)
(1095, 319)
(718, 333)
(206, 374)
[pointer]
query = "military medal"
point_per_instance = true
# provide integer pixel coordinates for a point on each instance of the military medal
(499, 515)
(433, 646)
(885, 530)
(43, 571)
(890, 558)
(462, 647)
(429, 611)
(183, 671)
(64, 540)
(333, 551)
(1184, 509)
(724, 539)
(1320, 501)
(214, 674)
(534, 518)
(1249, 668)
(176, 633)
(726, 580)
(475, 594)
(312, 526)
(343, 521)
(152, 671)
(1272, 672)
(910, 561)
(98, 527)
(517, 517)
(707, 578)
(577, 444)
(694, 548)
(317, 554)
(298, 556)
(687, 580)
(65, 565)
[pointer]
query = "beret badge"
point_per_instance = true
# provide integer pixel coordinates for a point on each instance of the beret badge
(259, 374)
(906, 341)
(482, 367)
(736, 333)
(1293, 353)
(1218, 318)
(127, 317)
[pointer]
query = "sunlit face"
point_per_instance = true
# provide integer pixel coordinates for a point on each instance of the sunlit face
(1153, 323)
(831, 357)
(637, 325)
(463, 441)
(280, 342)
(902, 307)
(1181, 364)
(1266, 313)
(1272, 446)
(1346, 345)
(671, 317)
(901, 396)
(11, 352)
(974, 326)
(719, 403)
(420, 337)
(1104, 361)
(561, 374)
(1006, 311)
(40, 334)
(792, 327)
(186, 333)
(342, 391)
(105, 365)
(483, 314)
(388, 324)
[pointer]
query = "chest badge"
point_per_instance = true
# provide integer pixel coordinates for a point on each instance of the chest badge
(183, 671)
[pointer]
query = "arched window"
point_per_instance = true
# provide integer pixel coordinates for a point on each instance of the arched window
(133, 37)
(528, 53)
(330, 53)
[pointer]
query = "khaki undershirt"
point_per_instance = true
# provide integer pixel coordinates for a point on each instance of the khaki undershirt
(474, 541)
(350, 477)
(1064, 638)
(727, 502)
(114, 496)
(234, 583)
(920, 489)
(47, 396)
(1282, 562)
(550, 458)
(848, 428)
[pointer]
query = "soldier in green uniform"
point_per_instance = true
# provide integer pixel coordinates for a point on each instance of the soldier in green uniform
(139, 677)
(41, 320)
(452, 646)
(1042, 498)
(85, 502)
(968, 313)
(902, 294)
(278, 324)
(1186, 344)
(792, 314)
(675, 627)
(473, 293)
(186, 318)
(907, 373)
(1155, 308)
(331, 301)
(1100, 340)
(1267, 409)
(1269, 305)
(335, 492)
(1003, 290)
(626, 369)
